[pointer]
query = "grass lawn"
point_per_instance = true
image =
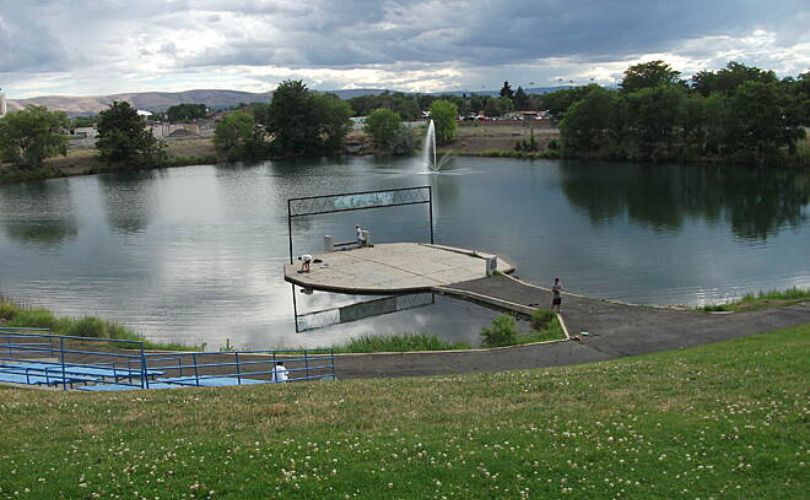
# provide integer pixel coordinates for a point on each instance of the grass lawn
(727, 420)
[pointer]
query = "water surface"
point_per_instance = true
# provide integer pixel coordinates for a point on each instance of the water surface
(195, 254)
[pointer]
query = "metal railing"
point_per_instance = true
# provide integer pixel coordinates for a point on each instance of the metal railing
(30, 357)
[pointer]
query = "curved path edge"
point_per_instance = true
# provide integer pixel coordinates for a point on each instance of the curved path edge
(615, 330)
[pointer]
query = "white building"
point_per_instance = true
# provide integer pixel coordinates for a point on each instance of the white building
(3, 108)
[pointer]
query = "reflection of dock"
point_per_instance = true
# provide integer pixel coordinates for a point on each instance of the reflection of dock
(392, 269)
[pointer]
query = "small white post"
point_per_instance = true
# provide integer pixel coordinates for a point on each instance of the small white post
(492, 265)
(328, 244)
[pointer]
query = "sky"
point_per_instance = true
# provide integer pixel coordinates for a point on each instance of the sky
(98, 47)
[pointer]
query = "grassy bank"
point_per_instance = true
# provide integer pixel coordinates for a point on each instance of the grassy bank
(763, 300)
(399, 343)
(15, 314)
(727, 420)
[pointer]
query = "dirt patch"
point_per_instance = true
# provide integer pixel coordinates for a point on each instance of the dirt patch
(478, 138)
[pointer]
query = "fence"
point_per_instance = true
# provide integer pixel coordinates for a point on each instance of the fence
(35, 357)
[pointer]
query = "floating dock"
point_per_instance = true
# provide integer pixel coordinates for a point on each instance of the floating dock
(393, 268)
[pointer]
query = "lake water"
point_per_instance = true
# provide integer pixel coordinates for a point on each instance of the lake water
(195, 254)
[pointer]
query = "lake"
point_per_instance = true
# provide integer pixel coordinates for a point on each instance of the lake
(195, 254)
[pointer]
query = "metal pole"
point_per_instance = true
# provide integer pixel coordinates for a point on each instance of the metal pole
(238, 372)
(196, 373)
(289, 229)
(430, 199)
(306, 364)
(295, 308)
(144, 372)
(62, 358)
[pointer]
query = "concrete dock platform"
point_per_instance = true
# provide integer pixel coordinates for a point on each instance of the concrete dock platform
(392, 268)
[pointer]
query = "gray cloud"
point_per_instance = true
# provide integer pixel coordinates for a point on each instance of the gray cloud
(151, 40)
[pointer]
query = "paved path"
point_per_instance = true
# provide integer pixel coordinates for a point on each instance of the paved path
(615, 330)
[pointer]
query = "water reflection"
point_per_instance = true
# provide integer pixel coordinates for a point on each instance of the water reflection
(39, 213)
(755, 202)
(129, 199)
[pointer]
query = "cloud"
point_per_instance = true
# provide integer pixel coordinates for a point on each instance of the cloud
(104, 46)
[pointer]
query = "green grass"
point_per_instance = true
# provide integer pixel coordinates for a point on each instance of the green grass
(506, 153)
(726, 420)
(15, 314)
(763, 300)
(398, 343)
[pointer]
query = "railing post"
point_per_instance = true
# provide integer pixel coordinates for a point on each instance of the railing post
(62, 359)
(273, 368)
(144, 370)
(306, 364)
(196, 373)
(332, 362)
(238, 371)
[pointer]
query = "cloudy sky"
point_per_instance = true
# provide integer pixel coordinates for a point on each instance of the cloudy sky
(93, 47)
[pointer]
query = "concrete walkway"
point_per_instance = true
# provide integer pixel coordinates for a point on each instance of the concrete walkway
(615, 329)
(392, 268)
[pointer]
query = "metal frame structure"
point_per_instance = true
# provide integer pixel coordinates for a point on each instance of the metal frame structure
(360, 200)
(348, 202)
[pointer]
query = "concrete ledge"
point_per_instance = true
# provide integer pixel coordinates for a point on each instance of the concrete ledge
(391, 268)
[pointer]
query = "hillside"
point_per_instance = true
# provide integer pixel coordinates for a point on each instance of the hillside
(152, 101)
(160, 101)
(726, 420)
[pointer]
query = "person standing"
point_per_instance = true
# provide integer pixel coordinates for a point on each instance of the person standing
(360, 239)
(556, 295)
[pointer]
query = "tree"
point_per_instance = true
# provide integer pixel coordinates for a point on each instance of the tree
(122, 136)
(382, 125)
(29, 136)
(558, 102)
(444, 115)
(648, 75)
(506, 91)
(728, 79)
(292, 120)
(657, 116)
(764, 120)
(186, 112)
(332, 114)
(237, 137)
(589, 124)
(521, 100)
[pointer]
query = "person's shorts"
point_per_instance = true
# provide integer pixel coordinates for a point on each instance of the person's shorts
(557, 301)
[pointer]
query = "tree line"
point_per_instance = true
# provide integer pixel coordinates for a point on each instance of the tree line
(738, 113)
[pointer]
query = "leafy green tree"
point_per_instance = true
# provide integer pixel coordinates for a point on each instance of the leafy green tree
(558, 102)
(444, 115)
(84, 121)
(521, 100)
(728, 79)
(502, 332)
(333, 115)
(648, 75)
(657, 118)
(765, 119)
(382, 125)
(293, 120)
(588, 127)
(123, 136)
(506, 91)
(186, 112)
(30, 135)
(237, 137)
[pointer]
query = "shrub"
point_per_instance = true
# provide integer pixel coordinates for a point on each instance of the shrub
(541, 319)
(502, 332)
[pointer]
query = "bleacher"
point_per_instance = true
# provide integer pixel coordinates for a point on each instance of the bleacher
(33, 356)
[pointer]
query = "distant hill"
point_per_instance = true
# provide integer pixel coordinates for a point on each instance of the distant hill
(215, 99)
(150, 101)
